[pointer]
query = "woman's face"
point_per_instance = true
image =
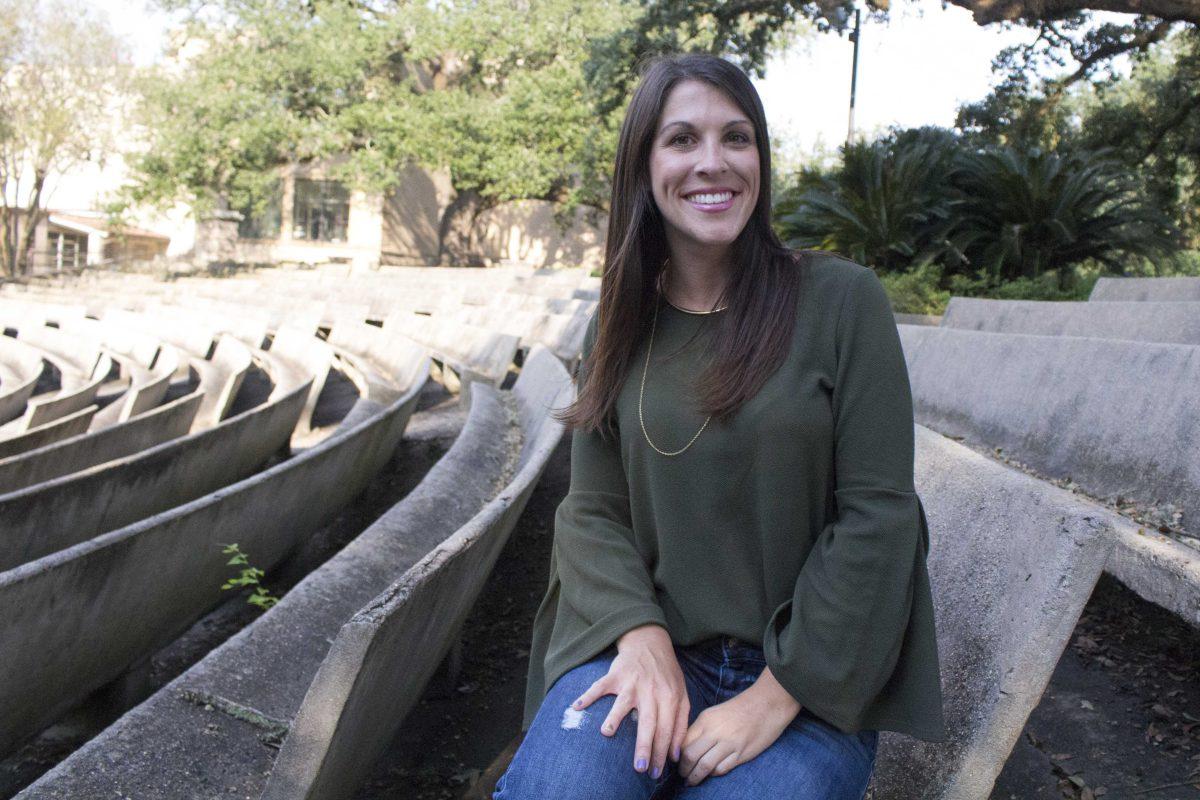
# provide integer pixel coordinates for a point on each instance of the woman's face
(703, 167)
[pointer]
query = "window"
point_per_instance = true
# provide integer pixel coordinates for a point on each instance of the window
(67, 249)
(320, 211)
(266, 223)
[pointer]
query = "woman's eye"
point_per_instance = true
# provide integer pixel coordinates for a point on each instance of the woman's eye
(741, 137)
(679, 139)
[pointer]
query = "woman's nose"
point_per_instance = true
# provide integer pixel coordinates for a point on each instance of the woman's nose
(711, 158)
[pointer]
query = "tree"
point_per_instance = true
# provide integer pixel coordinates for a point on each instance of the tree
(60, 72)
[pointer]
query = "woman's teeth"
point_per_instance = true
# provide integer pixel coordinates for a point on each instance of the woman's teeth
(711, 199)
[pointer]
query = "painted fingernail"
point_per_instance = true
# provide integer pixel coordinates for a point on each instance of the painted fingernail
(577, 704)
(654, 773)
(608, 728)
(676, 752)
(640, 765)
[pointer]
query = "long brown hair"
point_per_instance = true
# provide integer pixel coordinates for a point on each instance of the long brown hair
(751, 341)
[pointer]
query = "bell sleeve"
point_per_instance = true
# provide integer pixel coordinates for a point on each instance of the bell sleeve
(604, 577)
(836, 642)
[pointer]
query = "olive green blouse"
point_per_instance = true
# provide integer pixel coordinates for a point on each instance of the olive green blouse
(796, 524)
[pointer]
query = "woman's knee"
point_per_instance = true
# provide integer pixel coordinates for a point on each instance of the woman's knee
(564, 754)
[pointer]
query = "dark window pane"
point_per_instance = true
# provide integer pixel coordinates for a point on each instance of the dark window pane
(321, 211)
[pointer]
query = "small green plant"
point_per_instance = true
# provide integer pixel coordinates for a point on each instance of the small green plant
(250, 576)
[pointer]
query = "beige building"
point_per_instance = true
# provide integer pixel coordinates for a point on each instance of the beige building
(314, 218)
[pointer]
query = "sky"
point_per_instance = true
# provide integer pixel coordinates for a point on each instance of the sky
(915, 69)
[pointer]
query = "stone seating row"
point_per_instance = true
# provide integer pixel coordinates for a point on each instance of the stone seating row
(20, 368)
(1140, 289)
(46, 517)
(174, 745)
(1112, 416)
(76, 618)
(474, 354)
(1167, 322)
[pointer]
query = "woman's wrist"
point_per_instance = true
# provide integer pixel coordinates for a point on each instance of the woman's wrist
(774, 696)
(650, 633)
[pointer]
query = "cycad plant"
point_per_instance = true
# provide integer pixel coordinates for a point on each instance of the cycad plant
(890, 205)
(1022, 214)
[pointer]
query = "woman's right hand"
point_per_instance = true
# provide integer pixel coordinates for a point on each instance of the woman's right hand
(645, 675)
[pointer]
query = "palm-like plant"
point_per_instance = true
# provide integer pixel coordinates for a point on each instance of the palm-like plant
(890, 205)
(1024, 213)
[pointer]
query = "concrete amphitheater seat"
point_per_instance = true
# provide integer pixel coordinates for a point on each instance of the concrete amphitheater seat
(21, 367)
(75, 619)
(506, 434)
(1109, 415)
(1142, 289)
(1166, 322)
(46, 517)
(474, 354)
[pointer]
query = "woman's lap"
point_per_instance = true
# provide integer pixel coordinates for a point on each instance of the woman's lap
(564, 755)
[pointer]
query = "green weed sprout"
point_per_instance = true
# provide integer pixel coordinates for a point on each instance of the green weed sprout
(250, 576)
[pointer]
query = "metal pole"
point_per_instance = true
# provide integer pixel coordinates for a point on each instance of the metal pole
(854, 37)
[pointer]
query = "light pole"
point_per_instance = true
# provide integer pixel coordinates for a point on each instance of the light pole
(855, 35)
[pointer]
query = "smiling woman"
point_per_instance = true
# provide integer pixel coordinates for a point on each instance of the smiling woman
(738, 598)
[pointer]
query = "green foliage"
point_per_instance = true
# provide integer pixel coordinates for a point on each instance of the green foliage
(916, 291)
(249, 577)
(928, 197)
(887, 205)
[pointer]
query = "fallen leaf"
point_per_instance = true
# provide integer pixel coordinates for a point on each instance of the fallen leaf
(1087, 704)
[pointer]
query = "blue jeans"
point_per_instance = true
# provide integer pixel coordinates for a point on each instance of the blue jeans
(811, 759)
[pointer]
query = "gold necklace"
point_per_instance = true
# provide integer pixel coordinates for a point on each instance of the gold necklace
(642, 390)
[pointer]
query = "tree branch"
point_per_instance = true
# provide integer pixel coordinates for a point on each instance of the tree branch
(989, 11)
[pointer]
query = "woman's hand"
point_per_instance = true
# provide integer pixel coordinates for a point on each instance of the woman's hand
(645, 675)
(737, 730)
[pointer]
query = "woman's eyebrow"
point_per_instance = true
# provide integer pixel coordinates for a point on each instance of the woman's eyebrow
(685, 124)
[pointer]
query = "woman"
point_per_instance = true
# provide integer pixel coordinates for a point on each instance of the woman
(738, 598)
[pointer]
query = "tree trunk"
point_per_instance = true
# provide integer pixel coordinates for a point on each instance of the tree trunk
(32, 217)
(456, 236)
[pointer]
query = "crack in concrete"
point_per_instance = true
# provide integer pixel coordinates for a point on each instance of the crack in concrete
(274, 731)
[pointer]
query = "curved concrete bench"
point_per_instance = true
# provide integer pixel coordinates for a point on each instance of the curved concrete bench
(1012, 562)
(75, 359)
(305, 349)
(475, 354)
(562, 334)
(920, 319)
(41, 410)
(1107, 414)
(157, 741)
(62, 512)
(1155, 289)
(24, 367)
(1177, 323)
(57, 429)
(355, 705)
(74, 620)
(162, 424)
(224, 373)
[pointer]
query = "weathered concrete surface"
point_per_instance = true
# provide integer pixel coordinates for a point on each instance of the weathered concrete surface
(1177, 323)
(476, 354)
(145, 391)
(305, 350)
(57, 429)
(920, 319)
(1153, 289)
(74, 620)
(1012, 561)
(47, 517)
(225, 372)
(169, 421)
(355, 704)
(41, 410)
(23, 366)
(1110, 415)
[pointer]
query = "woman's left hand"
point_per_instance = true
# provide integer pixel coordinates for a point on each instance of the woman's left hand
(737, 730)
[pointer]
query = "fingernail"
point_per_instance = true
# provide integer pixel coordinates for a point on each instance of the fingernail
(577, 704)
(608, 728)
(641, 764)
(654, 773)
(676, 752)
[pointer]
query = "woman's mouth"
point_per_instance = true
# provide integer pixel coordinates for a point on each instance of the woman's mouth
(710, 202)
